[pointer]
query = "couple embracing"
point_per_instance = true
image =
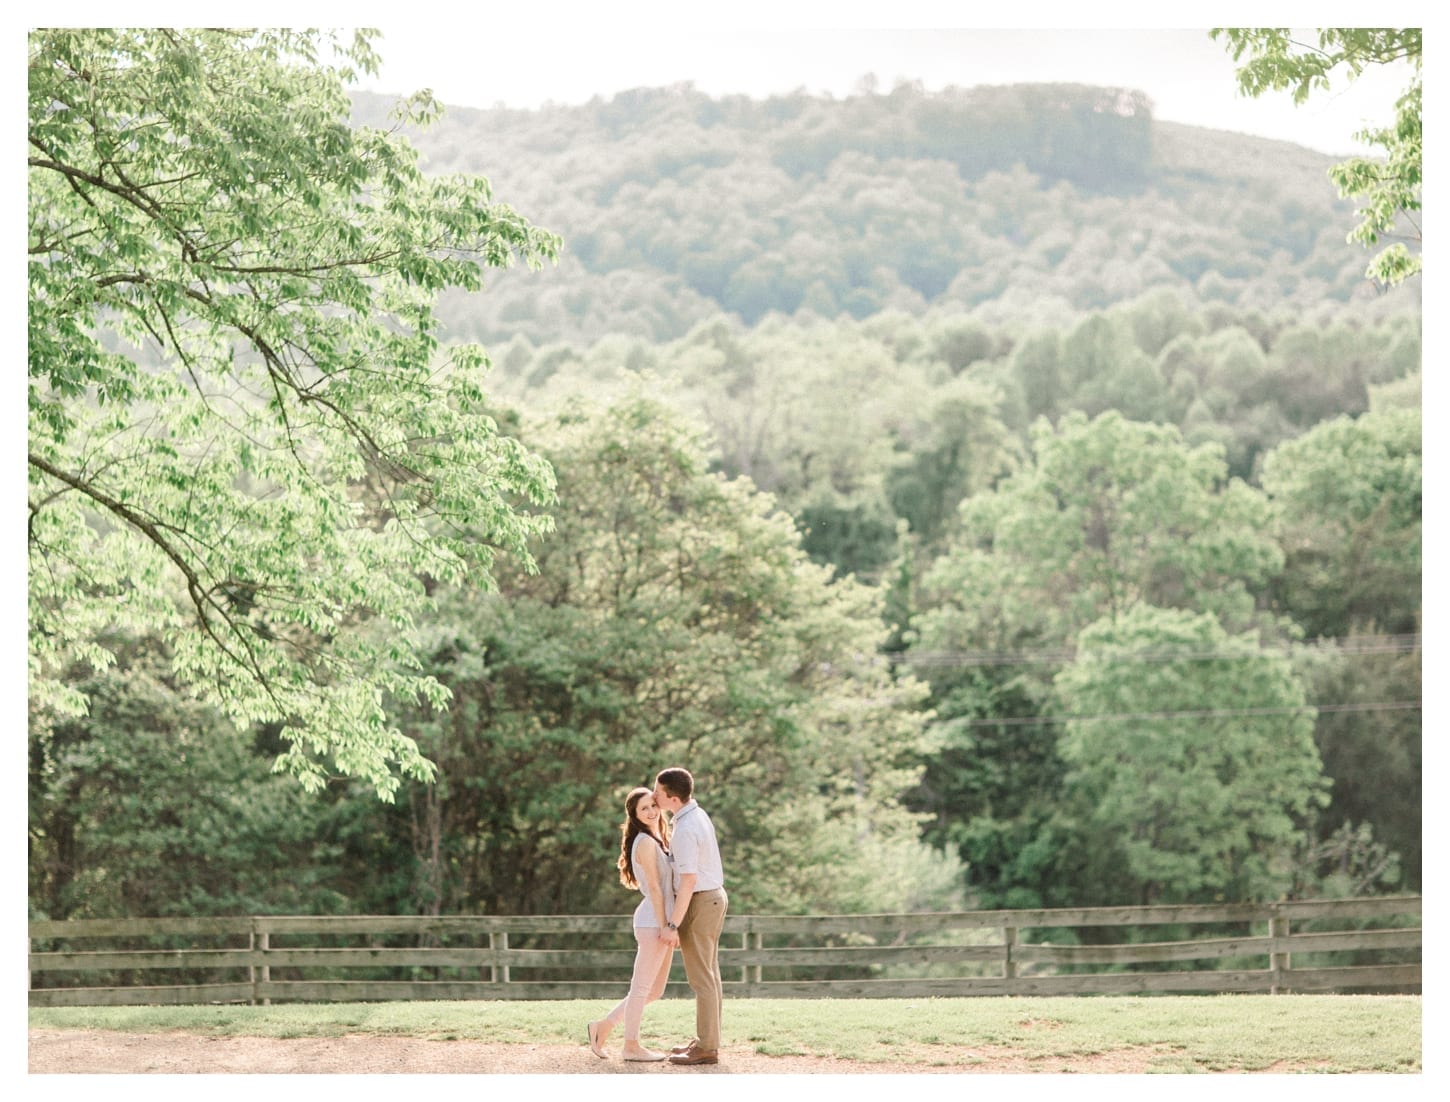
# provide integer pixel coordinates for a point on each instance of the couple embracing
(676, 864)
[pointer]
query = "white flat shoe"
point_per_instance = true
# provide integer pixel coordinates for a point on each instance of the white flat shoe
(592, 1029)
(646, 1057)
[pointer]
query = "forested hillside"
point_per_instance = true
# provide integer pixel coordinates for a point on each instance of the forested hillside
(877, 306)
(1033, 203)
(1002, 497)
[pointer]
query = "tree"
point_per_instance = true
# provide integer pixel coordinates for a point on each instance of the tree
(1373, 751)
(956, 446)
(1389, 189)
(1107, 517)
(1103, 369)
(1347, 509)
(1192, 807)
(231, 343)
(1037, 363)
(1347, 501)
(152, 804)
(1110, 514)
(674, 618)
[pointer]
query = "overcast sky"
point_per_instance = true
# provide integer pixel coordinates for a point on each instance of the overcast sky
(538, 53)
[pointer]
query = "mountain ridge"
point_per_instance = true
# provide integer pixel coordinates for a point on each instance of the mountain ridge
(675, 206)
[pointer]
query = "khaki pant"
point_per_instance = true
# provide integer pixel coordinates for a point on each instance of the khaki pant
(700, 947)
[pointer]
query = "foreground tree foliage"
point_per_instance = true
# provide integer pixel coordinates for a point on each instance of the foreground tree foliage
(230, 335)
(1389, 189)
(674, 618)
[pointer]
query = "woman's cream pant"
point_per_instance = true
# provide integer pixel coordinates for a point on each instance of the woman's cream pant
(651, 972)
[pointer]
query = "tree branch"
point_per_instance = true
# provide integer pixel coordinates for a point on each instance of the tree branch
(201, 596)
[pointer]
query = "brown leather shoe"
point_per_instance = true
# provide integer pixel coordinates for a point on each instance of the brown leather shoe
(691, 1047)
(696, 1056)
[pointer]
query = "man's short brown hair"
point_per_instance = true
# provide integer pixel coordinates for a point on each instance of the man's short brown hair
(677, 782)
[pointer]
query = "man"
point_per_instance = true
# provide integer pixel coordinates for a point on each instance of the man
(699, 912)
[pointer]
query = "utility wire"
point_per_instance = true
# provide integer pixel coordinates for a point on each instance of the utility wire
(1345, 645)
(1205, 713)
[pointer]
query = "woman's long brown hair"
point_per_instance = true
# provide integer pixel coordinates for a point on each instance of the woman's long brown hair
(631, 829)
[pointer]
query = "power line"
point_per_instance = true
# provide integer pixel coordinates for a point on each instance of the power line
(1344, 645)
(1203, 713)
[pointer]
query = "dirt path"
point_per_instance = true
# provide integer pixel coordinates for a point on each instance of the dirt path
(87, 1051)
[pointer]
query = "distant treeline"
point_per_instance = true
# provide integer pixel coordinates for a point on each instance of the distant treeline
(1028, 200)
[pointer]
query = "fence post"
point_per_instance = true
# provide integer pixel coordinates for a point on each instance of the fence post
(259, 939)
(1009, 963)
(756, 941)
(500, 941)
(748, 940)
(1278, 962)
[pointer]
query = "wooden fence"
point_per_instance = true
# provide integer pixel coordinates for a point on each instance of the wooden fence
(1315, 946)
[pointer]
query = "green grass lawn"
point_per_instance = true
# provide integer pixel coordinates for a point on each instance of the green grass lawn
(1321, 1033)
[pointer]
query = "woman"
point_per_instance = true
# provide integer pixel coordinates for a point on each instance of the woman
(644, 863)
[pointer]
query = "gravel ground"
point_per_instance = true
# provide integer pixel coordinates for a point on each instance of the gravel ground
(63, 1051)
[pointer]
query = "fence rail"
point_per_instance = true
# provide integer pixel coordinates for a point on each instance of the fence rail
(1320, 946)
